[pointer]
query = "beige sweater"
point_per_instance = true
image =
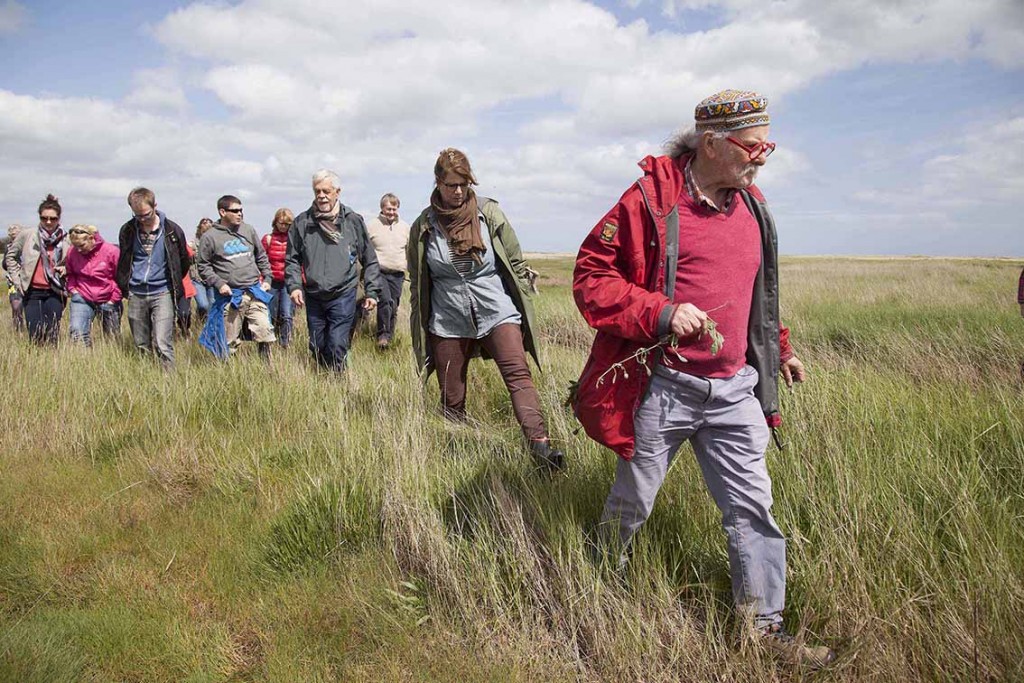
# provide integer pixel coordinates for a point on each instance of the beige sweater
(389, 242)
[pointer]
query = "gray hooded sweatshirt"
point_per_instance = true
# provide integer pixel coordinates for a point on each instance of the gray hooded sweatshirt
(232, 257)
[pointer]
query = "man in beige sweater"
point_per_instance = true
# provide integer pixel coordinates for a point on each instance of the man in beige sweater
(389, 235)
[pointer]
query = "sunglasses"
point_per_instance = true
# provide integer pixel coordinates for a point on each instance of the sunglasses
(49, 219)
(233, 210)
(80, 232)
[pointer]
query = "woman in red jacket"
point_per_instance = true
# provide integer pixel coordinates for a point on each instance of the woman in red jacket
(281, 307)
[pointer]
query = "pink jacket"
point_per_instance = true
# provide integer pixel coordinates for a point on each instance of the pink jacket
(92, 274)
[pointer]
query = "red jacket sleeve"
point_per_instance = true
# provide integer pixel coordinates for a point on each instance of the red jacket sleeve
(611, 270)
(785, 348)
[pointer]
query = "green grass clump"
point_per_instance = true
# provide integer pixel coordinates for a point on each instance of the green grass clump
(326, 519)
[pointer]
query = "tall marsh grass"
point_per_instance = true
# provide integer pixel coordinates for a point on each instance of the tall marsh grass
(234, 522)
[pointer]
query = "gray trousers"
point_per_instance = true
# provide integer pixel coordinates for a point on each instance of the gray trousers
(151, 319)
(727, 429)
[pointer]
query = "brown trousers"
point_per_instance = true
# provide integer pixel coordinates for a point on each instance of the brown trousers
(505, 345)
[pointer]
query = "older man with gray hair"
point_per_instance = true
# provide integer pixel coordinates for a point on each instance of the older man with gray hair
(691, 238)
(324, 245)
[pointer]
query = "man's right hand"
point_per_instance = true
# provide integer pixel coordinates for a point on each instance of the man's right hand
(686, 320)
(298, 299)
(224, 289)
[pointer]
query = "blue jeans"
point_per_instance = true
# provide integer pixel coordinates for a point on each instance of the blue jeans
(329, 323)
(724, 423)
(204, 298)
(281, 313)
(43, 309)
(82, 313)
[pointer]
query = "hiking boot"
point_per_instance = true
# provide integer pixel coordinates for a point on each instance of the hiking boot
(383, 342)
(551, 459)
(793, 651)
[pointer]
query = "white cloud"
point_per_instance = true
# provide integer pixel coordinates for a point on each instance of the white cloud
(158, 90)
(979, 167)
(13, 16)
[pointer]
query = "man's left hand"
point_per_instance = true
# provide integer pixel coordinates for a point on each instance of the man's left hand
(369, 304)
(265, 286)
(793, 371)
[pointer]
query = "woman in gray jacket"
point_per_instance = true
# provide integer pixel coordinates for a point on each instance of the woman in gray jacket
(35, 263)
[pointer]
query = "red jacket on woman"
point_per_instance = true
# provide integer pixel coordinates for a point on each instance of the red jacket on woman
(276, 244)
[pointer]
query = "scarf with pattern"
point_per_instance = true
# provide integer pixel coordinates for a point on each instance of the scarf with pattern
(52, 240)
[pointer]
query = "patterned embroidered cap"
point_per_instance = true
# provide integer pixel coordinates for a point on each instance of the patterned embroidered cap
(732, 110)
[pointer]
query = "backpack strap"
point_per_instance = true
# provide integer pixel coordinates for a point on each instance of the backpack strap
(671, 251)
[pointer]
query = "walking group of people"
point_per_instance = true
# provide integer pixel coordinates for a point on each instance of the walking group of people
(693, 235)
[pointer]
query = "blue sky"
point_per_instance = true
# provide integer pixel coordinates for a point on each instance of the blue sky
(900, 125)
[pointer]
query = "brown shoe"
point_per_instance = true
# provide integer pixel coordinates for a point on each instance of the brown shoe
(793, 651)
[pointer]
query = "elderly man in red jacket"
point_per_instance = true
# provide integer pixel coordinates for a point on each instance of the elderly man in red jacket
(680, 280)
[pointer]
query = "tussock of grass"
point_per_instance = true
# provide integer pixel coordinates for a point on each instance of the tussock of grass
(237, 522)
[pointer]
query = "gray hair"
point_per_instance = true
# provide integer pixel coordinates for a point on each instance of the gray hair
(389, 198)
(686, 141)
(325, 174)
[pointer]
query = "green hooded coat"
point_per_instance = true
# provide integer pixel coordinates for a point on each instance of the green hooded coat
(510, 264)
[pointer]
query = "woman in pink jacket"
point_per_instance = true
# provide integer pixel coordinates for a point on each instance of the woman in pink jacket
(91, 266)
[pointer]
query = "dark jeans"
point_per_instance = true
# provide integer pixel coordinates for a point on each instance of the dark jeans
(43, 309)
(183, 316)
(17, 312)
(387, 307)
(329, 323)
(281, 313)
(505, 345)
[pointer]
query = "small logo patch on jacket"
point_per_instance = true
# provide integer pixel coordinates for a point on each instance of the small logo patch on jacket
(608, 232)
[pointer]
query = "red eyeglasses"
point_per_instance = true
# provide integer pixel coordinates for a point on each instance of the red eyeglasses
(755, 150)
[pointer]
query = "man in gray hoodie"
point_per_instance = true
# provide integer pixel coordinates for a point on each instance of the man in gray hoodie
(232, 261)
(324, 244)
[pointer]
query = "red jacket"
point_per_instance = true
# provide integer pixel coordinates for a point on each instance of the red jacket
(276, 244)
(619, 287)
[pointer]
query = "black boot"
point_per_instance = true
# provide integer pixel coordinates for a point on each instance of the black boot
(551, 459)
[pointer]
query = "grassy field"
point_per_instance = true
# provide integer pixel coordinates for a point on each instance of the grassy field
(239, 523)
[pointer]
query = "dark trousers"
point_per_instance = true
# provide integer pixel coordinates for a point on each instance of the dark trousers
(43, 309)
(17, 311)
(505, 345)
(387, 307)
(329, 323)
(183, 315)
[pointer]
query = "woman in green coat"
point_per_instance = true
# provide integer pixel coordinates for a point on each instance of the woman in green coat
(470, 294)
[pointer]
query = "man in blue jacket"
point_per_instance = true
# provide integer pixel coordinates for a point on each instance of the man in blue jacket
(153, 260)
